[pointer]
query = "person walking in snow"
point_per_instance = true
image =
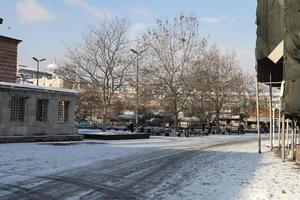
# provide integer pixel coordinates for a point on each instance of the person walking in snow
(131, 127)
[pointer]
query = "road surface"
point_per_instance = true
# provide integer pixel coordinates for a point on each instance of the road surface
(193, 168)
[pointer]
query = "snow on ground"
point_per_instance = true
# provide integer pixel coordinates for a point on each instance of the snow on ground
(273, 179)
(48, 158)
(239, 172)
(234, 171)
(100, 132)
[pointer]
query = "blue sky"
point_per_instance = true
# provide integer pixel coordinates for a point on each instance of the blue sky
(45, 26)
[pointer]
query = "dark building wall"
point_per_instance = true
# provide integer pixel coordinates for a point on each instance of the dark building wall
(8, 59)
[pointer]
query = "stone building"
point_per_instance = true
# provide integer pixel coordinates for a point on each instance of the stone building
(27, 110)
(31, 113)
(8, 58)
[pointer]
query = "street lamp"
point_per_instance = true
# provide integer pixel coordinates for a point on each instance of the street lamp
(37, 68)
(137, 87)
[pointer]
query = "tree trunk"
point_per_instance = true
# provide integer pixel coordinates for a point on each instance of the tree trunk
(175, 115)
(246, 125)
(104, 117)
(176, 124)
(217, 119)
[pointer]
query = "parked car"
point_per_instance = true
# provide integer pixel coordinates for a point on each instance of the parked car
(86, 124)
(154, 130)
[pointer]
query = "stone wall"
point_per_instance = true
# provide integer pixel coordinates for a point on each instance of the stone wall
(8, 59)
(30, 126)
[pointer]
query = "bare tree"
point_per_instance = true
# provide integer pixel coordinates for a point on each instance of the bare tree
(247, 94)
(102, 60)
(221, 78)
(89, 104)
(172, 49)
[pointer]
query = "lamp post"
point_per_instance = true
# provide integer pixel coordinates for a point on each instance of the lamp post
(258, 117)
(137, 87)
(273, 124)
(37, 68)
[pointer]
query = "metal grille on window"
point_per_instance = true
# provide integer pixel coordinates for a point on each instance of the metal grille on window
(17, 108)
(63, 108)
(42, 109)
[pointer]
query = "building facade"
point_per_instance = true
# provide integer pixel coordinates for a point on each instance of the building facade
(48, 77)
(8, 58)
(28, 110)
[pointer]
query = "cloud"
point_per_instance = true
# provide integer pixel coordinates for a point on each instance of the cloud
(136, 29)
(210, 19)
(216, 19)
(141, 12)
(88, 8)
(30, 11)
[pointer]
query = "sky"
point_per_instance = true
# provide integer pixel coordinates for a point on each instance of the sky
(48, 26)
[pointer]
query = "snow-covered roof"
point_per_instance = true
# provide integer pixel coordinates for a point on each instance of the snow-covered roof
(126, 117)
(17, 86)
(189, 119)
(10, 39)
(52, 67)
(29, 69)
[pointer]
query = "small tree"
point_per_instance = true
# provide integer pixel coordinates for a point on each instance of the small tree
(220, 78)
(89, 104)
(247, 95)
(172, 49)
(102, 60)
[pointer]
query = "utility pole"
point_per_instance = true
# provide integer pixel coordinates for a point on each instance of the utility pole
(283, 139)
(38, 68)
(279, 125)
(293, 140)
(284, 65)
(137, 87)
(273, 124)
(270, 104)
(258, 116)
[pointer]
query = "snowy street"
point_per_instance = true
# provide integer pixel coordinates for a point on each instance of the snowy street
(213, 167)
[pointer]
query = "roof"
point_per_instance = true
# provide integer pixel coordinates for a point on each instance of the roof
(28, 87)
(10, 39)
(28, 69)
(52, 67)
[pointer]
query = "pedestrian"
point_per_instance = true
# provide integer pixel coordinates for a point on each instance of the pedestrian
(242, 129)
(131, 127)
(209, 127)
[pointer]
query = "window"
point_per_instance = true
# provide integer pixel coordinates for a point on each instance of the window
(42, 110)
(17, 109)
(63, 110)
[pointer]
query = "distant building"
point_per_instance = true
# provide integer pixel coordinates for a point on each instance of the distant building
(8, 58)
(28, 75)
(48, 77)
